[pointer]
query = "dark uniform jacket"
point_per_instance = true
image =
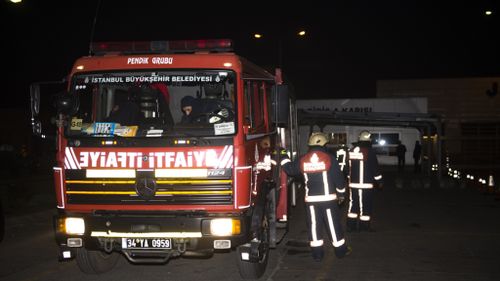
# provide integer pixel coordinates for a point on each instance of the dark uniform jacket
(321, 172)
(364, 169)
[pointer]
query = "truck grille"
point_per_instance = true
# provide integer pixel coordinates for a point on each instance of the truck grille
(159, 191)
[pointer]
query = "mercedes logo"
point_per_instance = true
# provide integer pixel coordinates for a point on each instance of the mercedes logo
(145, 188)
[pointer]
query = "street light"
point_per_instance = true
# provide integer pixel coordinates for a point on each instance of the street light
(15, 1)
(280, 38)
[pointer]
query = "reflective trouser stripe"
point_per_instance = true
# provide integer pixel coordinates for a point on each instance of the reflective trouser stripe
(349, 210)
(315, 242)
(336, 243)
(360, 194)
(364, 218)
(350, 213)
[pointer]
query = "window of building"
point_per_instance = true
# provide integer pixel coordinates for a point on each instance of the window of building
(385, 143)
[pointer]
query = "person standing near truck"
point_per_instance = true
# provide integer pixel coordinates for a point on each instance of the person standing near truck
(324, 190)
(401, 153)
(417, 151)
(364, 176)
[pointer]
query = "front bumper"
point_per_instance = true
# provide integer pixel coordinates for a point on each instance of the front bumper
(189, 232)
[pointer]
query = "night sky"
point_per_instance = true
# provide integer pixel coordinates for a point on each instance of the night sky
(349, 44)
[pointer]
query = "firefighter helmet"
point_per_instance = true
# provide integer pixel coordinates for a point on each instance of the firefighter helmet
(317, 139)
(364, 136)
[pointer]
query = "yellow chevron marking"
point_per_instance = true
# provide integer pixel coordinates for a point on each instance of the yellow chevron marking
(207, 192)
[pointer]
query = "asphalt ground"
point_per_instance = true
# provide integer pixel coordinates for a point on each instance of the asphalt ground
(425, 230)
(27, 192)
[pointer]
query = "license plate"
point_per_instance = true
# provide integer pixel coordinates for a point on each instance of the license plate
(146, 243)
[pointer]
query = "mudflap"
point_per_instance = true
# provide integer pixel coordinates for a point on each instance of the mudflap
(252, 252)
(252, 259)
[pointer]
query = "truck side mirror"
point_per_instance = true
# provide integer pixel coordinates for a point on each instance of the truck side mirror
(40, 105)
(35, 99)
(35, 109)
(280, 105)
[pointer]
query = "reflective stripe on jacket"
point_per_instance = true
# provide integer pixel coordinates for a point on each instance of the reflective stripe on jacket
(321, 172)
(364, 169)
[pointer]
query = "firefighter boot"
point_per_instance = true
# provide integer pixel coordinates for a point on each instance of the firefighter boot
(343, 251)
(317, 253)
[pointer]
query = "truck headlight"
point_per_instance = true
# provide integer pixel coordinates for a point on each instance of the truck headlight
(74, 226)
(225, 227)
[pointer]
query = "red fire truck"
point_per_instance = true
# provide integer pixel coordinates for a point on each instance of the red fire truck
(164, 150)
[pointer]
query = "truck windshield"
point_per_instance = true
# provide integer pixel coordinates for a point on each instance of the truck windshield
(154, 104)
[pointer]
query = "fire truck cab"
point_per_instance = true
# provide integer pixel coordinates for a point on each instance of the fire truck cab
(164, 150)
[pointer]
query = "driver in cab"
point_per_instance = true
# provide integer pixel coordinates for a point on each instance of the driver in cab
(210, 109)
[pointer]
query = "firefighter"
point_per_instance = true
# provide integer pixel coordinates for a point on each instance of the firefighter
(342, 156)
(324, 189)
(364, 175)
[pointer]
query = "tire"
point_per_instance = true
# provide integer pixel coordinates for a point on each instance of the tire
(252, 270)
(95, 262)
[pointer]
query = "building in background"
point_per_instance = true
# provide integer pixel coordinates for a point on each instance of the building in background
(386, 136)
(470, 108)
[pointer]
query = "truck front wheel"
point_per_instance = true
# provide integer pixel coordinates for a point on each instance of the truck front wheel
(250, 269)
(258, 251)
(95, 262)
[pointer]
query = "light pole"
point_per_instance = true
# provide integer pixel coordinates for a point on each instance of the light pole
(280, 38)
